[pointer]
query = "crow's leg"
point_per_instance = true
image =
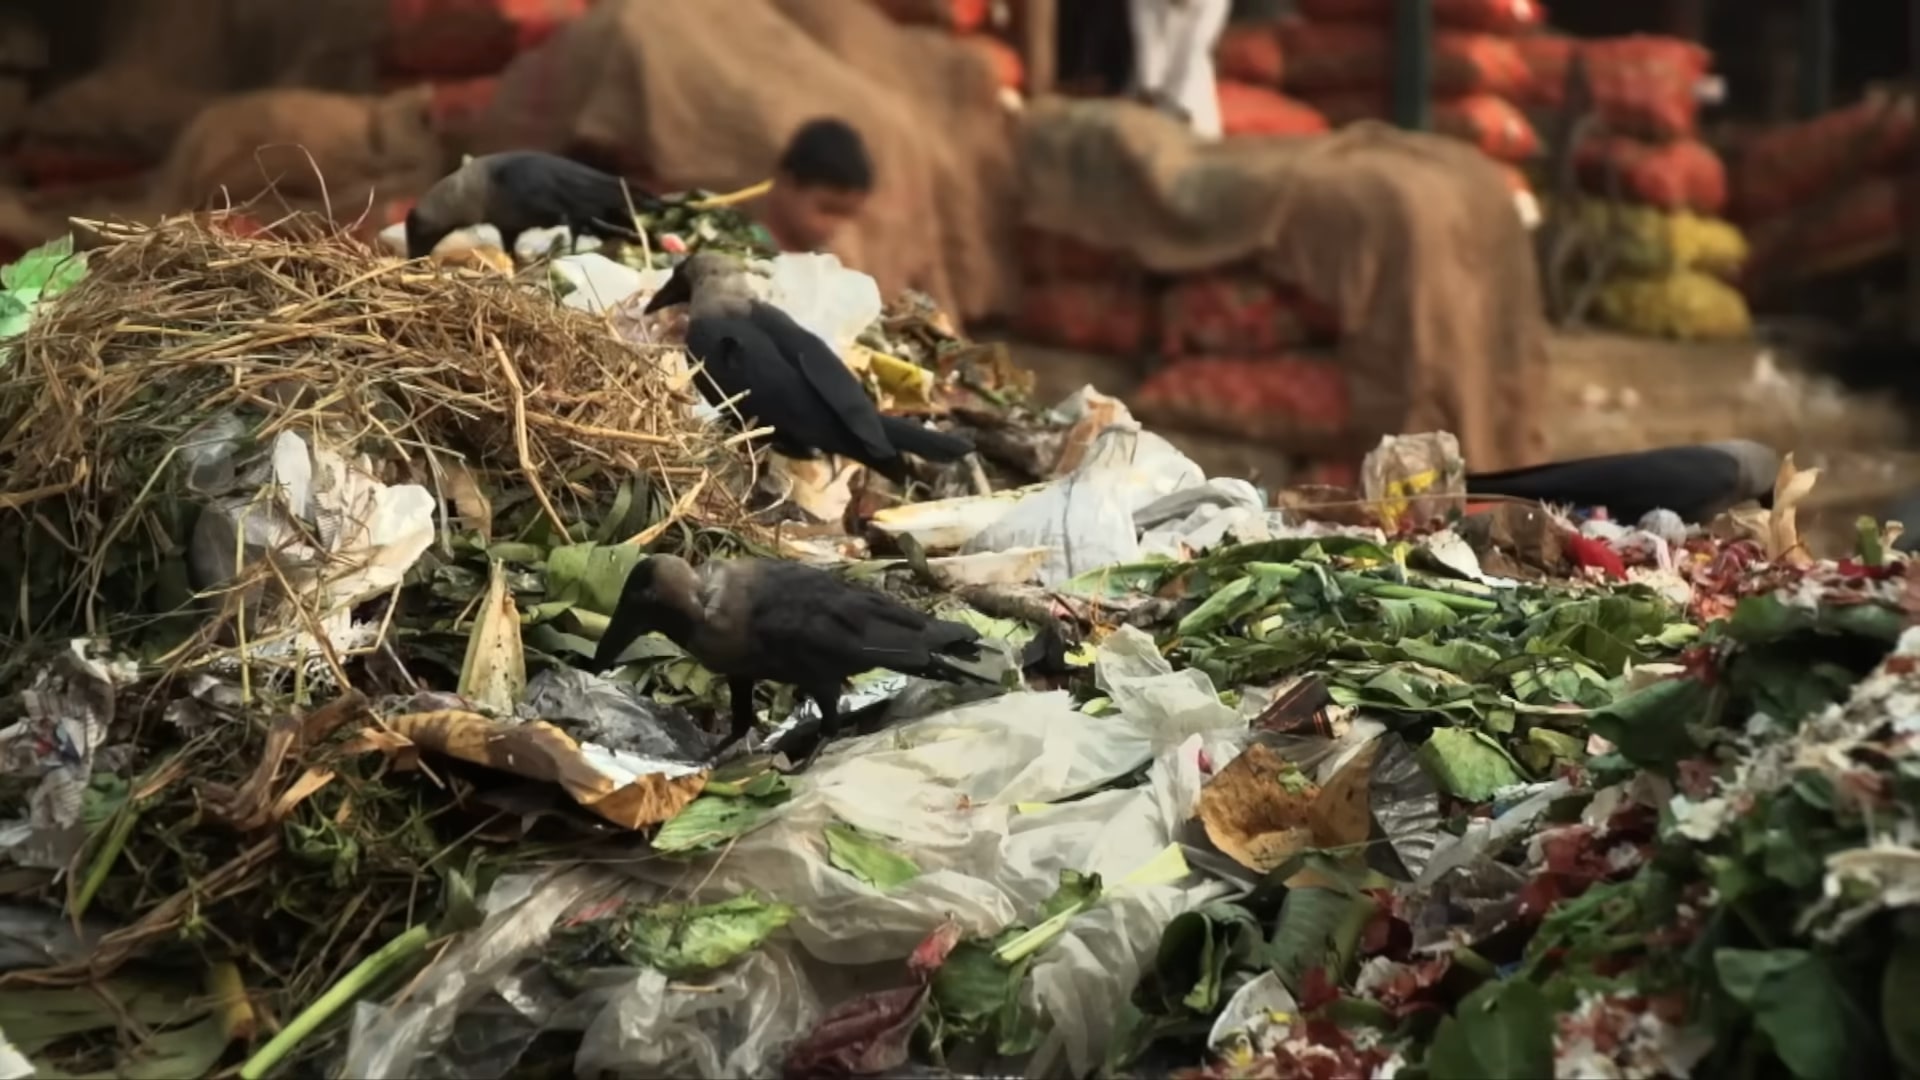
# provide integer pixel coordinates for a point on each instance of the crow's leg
(828, 699)
(740, 691)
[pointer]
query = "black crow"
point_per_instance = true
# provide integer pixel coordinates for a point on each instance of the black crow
(1696, 482)
(521, 190)
(753, 619)
(792, 381)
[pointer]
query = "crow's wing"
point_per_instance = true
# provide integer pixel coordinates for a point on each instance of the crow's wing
(811, 625)
(832, 383)
(738, 357)
(560, 189)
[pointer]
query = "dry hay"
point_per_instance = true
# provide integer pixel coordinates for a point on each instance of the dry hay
(182, 322)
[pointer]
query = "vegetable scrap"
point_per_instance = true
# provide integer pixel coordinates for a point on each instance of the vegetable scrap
(309, 771)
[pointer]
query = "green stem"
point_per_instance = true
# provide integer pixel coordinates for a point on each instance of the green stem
(1359, 583)
(339, 996)
(103, 860)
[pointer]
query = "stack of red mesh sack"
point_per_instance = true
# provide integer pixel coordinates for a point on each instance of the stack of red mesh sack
(1074, 296)
(1341, 61)
(972, 21)
(1247, 358)
(1248, 69)
(461, 46)
(1831, 192)
(1645, 91)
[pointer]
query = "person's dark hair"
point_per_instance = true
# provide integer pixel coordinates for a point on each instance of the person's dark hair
(828, 153)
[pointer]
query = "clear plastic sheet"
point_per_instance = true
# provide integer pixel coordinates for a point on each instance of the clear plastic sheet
(956, 792)
(389, 1041)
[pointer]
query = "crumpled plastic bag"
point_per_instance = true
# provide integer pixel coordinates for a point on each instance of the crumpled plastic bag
(1086, 518)
(954, 793)
(1198, 518)
(649, 1029)
(388, 1040)
(600, 284)
(821, 294)
(1419, 478)
(370, 533)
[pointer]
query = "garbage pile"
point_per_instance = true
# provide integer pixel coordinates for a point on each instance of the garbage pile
(305, 776)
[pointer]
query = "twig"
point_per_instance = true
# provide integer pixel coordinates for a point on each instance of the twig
(520, 435)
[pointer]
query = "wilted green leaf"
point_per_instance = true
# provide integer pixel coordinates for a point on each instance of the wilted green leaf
(1077, 893)
(1318, 928)
(1467, 764)
(681, 939)
(1650, 727)
(1502, 1031)
(868, 858)
(971, 988)
(1198, 950)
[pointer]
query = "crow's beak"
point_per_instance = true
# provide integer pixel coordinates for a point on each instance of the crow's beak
(677, 290)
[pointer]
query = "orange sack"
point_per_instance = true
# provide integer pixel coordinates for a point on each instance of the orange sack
(1684, 175)
(1493, 124)
(1255, 110)
(1486, 16)
(1325, 57)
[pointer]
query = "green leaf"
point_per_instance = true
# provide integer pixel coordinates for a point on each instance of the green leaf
(591, 575)
(1900, 1004)
(971, 987)
(1650, 727)
(1467, 764)
(1235, 599)
(1318, 928)
(1198, 950)
(868, 858)
(52, 268)
(713, 819)
(681, 939)
(1802, 1005)
(1502, 1031)
(1077, 892)
(1742, 972)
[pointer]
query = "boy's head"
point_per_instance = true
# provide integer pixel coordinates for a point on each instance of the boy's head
(823, 180)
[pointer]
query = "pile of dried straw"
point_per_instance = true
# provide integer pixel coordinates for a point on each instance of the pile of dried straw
(420, 367)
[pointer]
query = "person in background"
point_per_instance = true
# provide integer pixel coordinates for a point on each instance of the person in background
(1173, 44)
(822, 183)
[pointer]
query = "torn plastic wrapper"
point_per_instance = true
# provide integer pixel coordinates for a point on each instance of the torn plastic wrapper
(613, 715)
(36, 937)
(626, 789)
(1256, 1019)
(69, 710)
(737, 1023)
(1420, 478)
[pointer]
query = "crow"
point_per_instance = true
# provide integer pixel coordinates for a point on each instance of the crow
(1696, 482)
(753, 619)
(521, 190)
(792, 381)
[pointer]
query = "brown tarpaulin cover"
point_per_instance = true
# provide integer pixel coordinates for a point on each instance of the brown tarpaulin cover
(1412, 238)
(706, 95)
